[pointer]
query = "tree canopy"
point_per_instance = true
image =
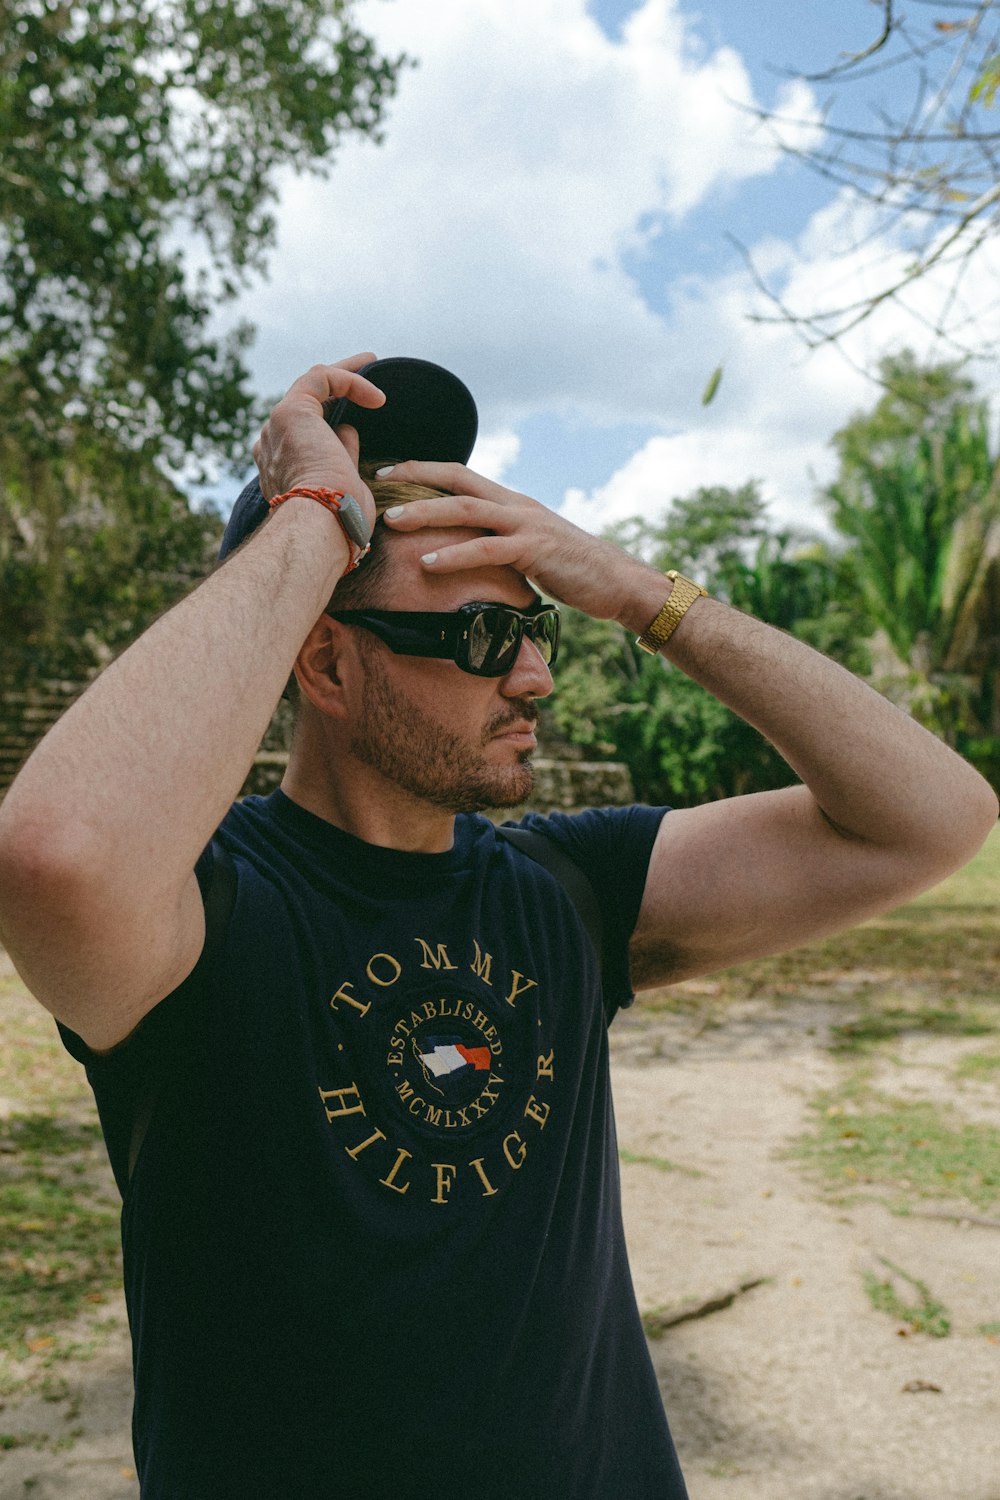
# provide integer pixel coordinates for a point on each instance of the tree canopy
(141, 142)
(918, 496)
(908, 597)
(136, 132)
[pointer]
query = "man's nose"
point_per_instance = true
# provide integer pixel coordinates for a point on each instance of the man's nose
(529, 677)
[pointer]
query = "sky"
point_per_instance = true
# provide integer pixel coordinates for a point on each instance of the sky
(551, 216)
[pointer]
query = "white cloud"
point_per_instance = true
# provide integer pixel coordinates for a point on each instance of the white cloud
(779, 404)
(670, 467)
(494, 454)
(523, 157)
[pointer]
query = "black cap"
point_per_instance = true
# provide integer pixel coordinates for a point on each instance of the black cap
(428, 414)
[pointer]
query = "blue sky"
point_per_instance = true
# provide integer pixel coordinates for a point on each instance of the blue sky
(548, 217)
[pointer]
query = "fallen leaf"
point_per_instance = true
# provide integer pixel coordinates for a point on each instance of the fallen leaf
(921, 1385)
(708, 394)
(37, 1345)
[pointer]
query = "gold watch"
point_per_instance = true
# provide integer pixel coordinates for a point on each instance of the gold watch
(682, 595)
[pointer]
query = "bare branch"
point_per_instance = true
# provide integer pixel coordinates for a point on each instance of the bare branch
(857, 57)
(927, 171)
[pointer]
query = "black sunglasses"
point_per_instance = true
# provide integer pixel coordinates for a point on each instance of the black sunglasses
(483, 639)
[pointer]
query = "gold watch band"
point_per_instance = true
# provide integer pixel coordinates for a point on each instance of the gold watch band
(682, 595)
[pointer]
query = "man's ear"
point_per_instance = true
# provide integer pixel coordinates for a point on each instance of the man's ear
(324, 663)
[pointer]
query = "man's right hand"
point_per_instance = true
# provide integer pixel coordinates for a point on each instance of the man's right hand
(297, 446)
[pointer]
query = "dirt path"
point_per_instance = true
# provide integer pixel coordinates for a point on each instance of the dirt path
(794, 1391)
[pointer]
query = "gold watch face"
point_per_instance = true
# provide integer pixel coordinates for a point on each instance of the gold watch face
(669, 617)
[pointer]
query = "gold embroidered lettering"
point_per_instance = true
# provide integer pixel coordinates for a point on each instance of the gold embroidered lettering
(390, 1181)
(521, 1148)
(517, 988)
(404, 1090)
(342, 994)
(537, 1112)
(440, 960)
(445, 1177)
(546, 1066)
(433, 1116)
(344, 1108)
(395, 965)
(487, 1093)
(355, 1151)
(481, 964)
(487, 1185)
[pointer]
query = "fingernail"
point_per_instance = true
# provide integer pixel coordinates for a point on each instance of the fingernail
(381, 473)
(394, 512)
(429, 557)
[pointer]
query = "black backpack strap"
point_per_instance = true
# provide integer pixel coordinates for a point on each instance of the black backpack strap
(547, 852)
(220, 898)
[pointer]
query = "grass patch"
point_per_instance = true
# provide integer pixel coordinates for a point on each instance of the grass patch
(892, 1022)
(661, 1163)
(862, 1139)
(926, 1315)
(59, 1207)
(979, 1065)
(59, 1230)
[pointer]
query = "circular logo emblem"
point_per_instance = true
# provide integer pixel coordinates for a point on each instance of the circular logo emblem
(446, 1065)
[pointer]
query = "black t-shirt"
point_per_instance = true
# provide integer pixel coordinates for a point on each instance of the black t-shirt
(373, 1241)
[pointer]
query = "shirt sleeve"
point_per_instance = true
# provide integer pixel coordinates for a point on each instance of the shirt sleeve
(612, 846)
(121, 1077)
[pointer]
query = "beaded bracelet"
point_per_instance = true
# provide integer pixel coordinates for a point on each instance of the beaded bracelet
(347, 510)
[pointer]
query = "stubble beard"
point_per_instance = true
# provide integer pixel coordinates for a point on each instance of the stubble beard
(405, 745)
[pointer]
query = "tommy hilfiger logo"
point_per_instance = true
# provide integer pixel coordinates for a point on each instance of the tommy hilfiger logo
(436, 1069)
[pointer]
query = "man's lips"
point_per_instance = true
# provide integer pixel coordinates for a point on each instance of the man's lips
(521, 731)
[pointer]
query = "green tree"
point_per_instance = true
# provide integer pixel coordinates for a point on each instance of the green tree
(127, 124)
(114, 578)
(918, 495)
(681, 745)
(138, 139)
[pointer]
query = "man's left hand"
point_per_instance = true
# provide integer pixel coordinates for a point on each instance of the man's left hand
(566, 563)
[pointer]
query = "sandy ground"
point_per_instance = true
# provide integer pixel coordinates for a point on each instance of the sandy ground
(794, 1391)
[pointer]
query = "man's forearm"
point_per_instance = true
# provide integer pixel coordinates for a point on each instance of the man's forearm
(138, 773)
(875, 772)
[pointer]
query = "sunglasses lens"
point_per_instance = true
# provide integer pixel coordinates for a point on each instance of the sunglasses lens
(545, 634)
(493, 642)
(480, 640)
(495, 635)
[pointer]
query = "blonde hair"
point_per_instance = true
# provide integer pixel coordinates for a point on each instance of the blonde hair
(357, 589)
(388, 491)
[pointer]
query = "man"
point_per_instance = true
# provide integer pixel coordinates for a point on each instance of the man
(373, 1243)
